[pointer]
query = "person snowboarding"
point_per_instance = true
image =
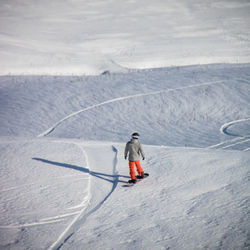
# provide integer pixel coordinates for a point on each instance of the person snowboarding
(134, 150)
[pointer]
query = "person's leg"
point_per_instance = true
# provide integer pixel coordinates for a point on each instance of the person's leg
(132, 170)
(139, 168)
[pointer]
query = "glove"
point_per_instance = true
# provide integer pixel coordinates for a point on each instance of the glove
(125, 157)
(143, 158)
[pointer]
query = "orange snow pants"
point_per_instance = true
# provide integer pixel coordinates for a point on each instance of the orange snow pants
(132, 164)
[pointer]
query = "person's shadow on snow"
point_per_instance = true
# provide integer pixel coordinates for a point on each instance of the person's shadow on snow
(85, 170)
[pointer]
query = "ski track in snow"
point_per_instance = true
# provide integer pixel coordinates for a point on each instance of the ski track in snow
(44, 221)
(225, 126)
(31, 224)
(61, 217)
(68, 232)
(236, 141)
(51, 129)
(37, 183)
(81, 217)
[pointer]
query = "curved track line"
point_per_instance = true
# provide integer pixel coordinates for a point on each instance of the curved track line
(68, 232)
(32, 224)
(231, 145)
(38, 183)
(59, 216)
(51, 129)
(223, 130)
(81, 218)
(225, 126)
(83, 203)
(225, 142)
(43, 221)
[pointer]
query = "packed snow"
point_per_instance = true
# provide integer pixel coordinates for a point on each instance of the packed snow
(78, 77)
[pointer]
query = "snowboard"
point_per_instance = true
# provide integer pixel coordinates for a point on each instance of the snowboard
(130, 184)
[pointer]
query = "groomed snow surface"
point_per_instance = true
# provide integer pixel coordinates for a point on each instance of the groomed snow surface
(63, 170)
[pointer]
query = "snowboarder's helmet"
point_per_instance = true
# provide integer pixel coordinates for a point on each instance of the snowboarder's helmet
(135, 135)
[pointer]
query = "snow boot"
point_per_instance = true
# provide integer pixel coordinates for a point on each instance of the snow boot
(132, 181)
(140, 176)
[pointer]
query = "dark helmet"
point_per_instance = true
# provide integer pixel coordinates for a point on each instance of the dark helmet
(135, 135)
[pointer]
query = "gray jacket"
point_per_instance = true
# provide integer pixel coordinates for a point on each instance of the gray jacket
(133, 149)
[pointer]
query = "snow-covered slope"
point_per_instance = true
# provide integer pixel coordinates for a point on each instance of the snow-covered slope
(89, 37)
(173, 106)
(62, 193)
(62, 136)
(62, 179)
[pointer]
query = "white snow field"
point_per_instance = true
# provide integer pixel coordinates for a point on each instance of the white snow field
(63, 169)
(78, 77)
(92, 36)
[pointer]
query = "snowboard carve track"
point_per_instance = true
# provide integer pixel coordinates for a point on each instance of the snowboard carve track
(236, 141)
(224, 130)
(32, 224)
(51, 129)
(80, 219)
(225, 126)
(69, 231)
(59, 217)
(221, 144)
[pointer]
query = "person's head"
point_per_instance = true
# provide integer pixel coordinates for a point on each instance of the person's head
(135, 135)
